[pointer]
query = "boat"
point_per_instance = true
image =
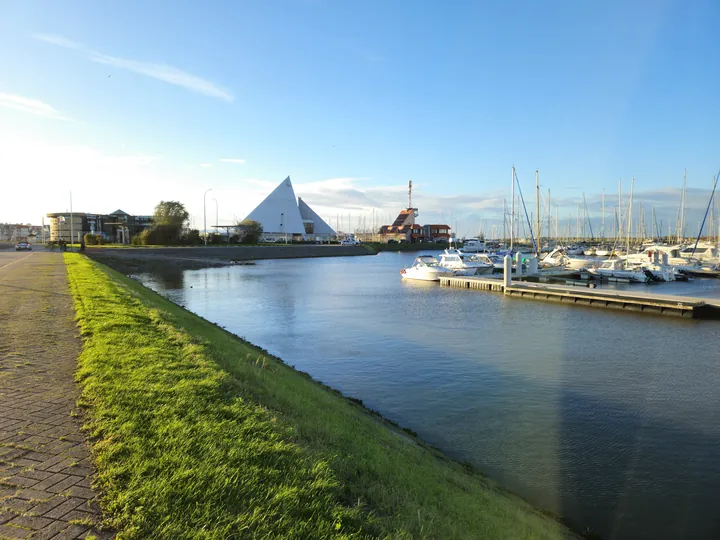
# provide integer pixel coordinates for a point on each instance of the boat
(574, 250)
(473, 245)
(425, 268)
(705, 252)
(490, 258)
(673, 257)
(463, 264)
(559, 257)
(616, 269)
(603, 251)
(590, 252)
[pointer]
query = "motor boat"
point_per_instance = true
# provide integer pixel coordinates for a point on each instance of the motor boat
(425, 268)
(473, 245)
(616, 268)
(490, 258)
(705, 252)
(559, 258)
(654, 271)
(674, 259)
(574, 250)
(603, 251)
(462, 264)
(590, 252)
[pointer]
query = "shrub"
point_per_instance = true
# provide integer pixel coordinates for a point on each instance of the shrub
(90, 239)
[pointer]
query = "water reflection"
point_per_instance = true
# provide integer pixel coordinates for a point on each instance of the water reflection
(609, 419)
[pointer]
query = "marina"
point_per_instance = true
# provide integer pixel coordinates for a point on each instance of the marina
(586, 413)
(656, 304)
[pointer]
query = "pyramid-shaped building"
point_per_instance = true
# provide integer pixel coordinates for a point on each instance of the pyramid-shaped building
(281, 215)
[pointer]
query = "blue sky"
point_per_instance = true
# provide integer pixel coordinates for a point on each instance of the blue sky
(127, 103)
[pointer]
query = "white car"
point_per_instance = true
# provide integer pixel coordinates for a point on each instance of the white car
(350, 242)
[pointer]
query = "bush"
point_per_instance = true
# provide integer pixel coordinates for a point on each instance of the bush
(193, 238)
(249, 231)
(91, 239)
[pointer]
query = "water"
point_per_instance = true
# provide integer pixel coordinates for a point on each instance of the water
(610, 419)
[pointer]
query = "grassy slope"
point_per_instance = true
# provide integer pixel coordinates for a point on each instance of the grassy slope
(198, 434)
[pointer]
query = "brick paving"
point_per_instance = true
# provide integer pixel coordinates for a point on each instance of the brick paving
(45, 467)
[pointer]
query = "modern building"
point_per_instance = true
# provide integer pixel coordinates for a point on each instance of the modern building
(284, 217)
(117, 226)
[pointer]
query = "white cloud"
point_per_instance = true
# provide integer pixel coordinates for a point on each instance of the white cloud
(232, 160)
(30, 105)
(161, 72)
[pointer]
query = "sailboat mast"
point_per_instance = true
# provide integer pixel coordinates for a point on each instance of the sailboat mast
(602, 227)
(619, 208)
(512, 211)
(681, 224)
(632, 185)
(537, 208)
(549, 214)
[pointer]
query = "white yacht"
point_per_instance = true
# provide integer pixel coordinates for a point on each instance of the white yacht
(706, 253)
(560, 258)
(615, 268)
(473, 245)
(425, 268)
(490, 258)
(673, 253)
(463, 264)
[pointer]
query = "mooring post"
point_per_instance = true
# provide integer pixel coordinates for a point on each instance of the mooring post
(533, 266)
(656, 257)
(518, 264)
(507, 270)
(665, 258)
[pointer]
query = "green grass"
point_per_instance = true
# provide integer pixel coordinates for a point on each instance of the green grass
(198, 434)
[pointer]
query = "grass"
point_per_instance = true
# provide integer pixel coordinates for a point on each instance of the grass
(198, 434)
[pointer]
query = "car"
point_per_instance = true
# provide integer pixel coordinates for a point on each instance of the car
(23, 246)
(392, 241)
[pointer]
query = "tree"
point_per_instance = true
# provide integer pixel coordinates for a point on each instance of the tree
(249, 231)
(171, 213)
(168, 220)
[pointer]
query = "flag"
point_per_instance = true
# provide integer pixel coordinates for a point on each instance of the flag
(61, 218)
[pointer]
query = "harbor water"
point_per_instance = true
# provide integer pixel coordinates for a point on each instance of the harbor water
(609, 419)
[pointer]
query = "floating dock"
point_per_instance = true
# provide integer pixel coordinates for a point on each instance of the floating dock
(657, 304)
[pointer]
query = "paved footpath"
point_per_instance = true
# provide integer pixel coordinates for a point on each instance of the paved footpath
(45, 468)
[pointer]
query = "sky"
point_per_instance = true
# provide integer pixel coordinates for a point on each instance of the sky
(128, 103)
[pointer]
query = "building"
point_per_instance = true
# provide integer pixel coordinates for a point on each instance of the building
(17, 232)
(404, 228)
(284, 217)
(117, 226)
(436, 233)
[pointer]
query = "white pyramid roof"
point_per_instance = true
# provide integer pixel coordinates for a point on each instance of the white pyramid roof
(319, 227)
(279, 212)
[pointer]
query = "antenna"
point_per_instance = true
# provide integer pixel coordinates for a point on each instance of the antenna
(410, 194)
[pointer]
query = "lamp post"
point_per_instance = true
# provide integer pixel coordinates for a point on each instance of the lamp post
(204, 215)
(282, 220)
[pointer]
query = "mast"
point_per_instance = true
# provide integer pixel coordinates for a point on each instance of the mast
(537, 207)
(512, 211)
(619, 208)
(504, 221)
(602, 227)
(577, 223)
(632, 185)
(549, 214)
(681, 225)
(557, 224)
(653, 223)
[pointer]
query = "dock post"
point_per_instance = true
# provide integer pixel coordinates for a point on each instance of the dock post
(533, 266)
(665, 258)
(656, 257)
(507, 270)
(518, 264)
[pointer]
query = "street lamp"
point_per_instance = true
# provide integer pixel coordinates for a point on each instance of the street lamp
(282, 219)
(204, 216)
